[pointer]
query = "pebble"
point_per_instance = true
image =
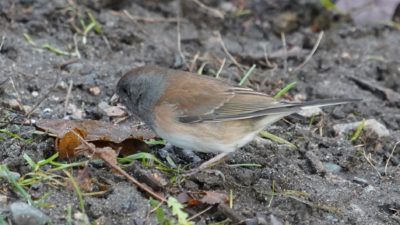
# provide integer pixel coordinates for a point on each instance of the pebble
(95, 90)
(14, 104)
(274, 220)
(332, 167)
(62, 85)
(360, 181)
(24, 214)
(310, 112)
(35, 93)
(371, 125)
(285, 22)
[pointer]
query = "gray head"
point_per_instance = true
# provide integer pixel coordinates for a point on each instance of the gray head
(140, 89)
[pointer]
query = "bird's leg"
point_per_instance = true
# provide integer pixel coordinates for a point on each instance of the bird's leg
(185, 153)
(166, 150)
(221, 157)
(210, 163)
(191, 155)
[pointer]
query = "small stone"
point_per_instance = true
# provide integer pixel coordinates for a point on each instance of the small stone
(332, 167)
(62, 85)
(346, 55)
(35, 93)
(27, 108)
(228, 7)
(14, 104)
(315, 162)
(23, 214)
(361, 181)
(285, 22)
(81, 218)
(371, 125)
(310, 112)
(114, 111)
(95, 90)
(274, 220)
(74, 111)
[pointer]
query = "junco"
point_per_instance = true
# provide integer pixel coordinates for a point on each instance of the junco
(202, 113)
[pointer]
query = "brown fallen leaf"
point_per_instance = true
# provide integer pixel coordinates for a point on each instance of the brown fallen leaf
(97, 130)
(102, 134)
(109, 156)
(211, 198)
(207, 197)
(68, 143)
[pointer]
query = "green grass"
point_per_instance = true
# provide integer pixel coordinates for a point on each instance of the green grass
(247, 75)
(77, 191)
(276, 139)
(12, 135)
(285, 90)
(17, 187)
(358, 131)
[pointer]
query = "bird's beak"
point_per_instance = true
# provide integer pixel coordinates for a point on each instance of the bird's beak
(114, 99)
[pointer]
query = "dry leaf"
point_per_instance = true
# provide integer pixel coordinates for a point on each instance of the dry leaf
(212, 198)
(101, 134)
(67, 144)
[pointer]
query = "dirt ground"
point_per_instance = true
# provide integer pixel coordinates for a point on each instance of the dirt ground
(328, 179)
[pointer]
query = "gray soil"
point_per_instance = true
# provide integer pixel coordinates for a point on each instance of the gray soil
(328, 179)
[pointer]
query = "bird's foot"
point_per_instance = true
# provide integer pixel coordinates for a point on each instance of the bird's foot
(205, 166)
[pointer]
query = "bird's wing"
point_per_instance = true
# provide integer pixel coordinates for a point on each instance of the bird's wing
(199, 98)
(216, 101)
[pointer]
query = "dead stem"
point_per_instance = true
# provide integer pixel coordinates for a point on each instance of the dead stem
(71, 82)
(321, 34)
(220, 68)
(227, 52)
(93, 151)
(390, 156)
(285, 66)
(214, 12)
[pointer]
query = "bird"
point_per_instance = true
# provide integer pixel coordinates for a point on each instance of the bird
(202, 113)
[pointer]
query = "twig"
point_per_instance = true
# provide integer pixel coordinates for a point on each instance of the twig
(213, 11)
(200, 213)
(267, 62)
(149, 19)
(193, 64)
(390, 156)
(369, 160)
(105, 39)
(135, 22)
(71, 82)
(93, 151)
(220, 68)
(19, 100)
(2, 41)
(77, 53)
(285, 66)
(62, 65)
(227, 52)
(236, 217)
(321, 34)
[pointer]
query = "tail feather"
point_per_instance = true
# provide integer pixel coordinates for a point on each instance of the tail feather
(283, 109)
(328, 102)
